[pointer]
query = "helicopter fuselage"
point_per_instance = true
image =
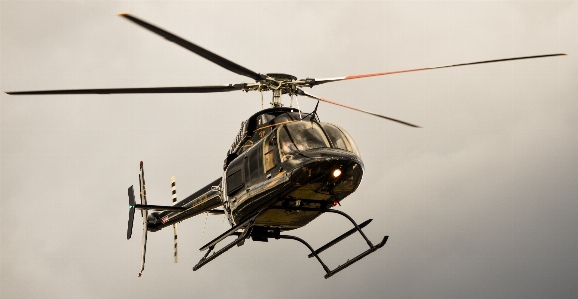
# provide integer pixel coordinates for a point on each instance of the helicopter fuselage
(285, 166)
(312, 179)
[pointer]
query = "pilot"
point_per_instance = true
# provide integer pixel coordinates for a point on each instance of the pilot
(288, 147)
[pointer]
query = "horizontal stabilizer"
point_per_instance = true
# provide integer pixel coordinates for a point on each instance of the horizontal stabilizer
(159, 208)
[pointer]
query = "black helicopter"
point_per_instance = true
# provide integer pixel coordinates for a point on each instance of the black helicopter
(284, 169)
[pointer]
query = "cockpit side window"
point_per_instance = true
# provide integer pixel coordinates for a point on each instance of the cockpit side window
(339, 138)
(354, 148)
(336, 137)
(269, 147)
(286, 144)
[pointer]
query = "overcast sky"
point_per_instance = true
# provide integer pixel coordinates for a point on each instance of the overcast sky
(480, 203)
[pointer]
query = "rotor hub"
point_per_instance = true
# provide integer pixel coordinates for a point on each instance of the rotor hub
(282, 77)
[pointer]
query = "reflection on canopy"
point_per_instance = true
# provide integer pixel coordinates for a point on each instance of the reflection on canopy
(305, 135)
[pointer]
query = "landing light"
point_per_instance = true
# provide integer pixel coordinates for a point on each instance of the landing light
(336, 173)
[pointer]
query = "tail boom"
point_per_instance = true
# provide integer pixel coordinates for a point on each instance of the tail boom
(204, 200)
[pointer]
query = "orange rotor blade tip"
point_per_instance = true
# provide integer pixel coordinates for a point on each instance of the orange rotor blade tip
(122, 14)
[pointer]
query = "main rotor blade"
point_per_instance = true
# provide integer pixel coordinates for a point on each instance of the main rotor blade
(301, 92)
(185, 89)
(223, 62)
(327, 80)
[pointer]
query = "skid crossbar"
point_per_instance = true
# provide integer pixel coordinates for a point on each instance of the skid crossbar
(340, 238)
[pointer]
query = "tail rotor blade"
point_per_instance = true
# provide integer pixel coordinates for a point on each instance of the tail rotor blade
(175, 226)
(144, 242)
(301, 92)
(144, 213)
(175, 231)
(143, 191)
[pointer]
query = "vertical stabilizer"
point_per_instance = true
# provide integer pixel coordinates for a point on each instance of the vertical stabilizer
(131, 210)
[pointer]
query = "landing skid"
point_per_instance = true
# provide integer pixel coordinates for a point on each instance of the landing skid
(262, 234)
(315, 253)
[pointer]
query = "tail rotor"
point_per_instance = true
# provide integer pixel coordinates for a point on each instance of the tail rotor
(145, 213)
(205, 199)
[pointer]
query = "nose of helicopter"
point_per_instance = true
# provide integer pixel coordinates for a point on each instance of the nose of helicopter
(326, 174)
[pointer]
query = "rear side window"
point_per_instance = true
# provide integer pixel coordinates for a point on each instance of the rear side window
(234, 182)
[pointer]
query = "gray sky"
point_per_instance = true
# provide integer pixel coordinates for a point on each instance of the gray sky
(480, 203)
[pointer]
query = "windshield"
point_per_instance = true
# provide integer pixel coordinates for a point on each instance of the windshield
(305, 135)
(301, 136)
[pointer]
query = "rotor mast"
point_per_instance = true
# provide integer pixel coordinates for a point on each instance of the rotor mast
(276, 99)
(280, 84)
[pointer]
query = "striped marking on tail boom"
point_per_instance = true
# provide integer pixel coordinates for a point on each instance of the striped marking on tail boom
(175, 226)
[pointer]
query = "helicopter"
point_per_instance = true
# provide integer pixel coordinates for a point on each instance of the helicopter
(284, 169)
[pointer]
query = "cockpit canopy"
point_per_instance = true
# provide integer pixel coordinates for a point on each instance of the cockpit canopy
(288, 131)
(300, 136)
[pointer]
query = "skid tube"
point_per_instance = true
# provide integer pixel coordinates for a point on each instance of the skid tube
(315, 253)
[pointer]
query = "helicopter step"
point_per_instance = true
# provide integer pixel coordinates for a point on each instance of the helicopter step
(246, 225)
